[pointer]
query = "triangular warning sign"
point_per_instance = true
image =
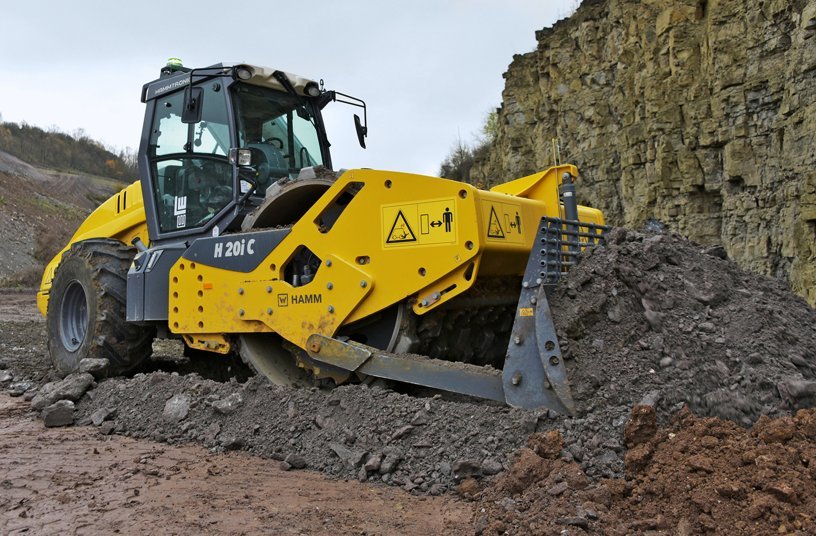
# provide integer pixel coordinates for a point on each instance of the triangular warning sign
(400, 231)
(494, 228)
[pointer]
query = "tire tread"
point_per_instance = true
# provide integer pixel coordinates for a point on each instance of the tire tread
(109, 336)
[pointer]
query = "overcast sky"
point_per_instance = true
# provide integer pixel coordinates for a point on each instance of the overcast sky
(430, 70)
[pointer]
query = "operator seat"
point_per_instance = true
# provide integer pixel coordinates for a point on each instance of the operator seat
(272, 164)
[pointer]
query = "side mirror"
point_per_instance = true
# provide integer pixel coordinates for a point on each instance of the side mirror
(360, 126)
(193, 105)
(362, 131)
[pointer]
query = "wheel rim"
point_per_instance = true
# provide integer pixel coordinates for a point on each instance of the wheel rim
(74, 317)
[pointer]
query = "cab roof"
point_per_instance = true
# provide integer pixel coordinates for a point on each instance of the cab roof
(172, 80)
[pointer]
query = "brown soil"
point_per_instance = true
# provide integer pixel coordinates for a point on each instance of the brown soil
(74, 480)
(698, 476)
(18, 306)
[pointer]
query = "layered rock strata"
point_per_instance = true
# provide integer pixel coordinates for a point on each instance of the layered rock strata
(700, 114)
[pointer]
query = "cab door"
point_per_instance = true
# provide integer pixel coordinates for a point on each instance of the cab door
(192, 181)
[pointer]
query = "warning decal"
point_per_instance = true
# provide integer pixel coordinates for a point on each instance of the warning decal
(400, 231)
(504, 222)
(425, 223)
(494, 229)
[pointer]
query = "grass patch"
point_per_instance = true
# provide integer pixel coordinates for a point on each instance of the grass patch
(27, 278)
(49, 242)
(96, 198)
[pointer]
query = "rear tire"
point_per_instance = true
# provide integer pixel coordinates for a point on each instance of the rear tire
(87, 310)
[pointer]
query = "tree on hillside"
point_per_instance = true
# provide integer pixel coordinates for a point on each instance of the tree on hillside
(58, 150)
(460, 161)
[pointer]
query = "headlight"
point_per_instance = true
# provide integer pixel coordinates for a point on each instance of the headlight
(243, 72)
(242, 157)
(312, 90)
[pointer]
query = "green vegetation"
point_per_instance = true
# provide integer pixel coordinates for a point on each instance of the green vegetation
(58, 150)
(96, 198)
(54, 207)
(460, 161)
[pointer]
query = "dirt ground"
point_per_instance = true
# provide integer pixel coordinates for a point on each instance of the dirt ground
(693, 379)
(78, 481)
(18, 306)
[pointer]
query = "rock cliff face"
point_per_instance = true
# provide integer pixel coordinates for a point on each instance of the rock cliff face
(701, 114)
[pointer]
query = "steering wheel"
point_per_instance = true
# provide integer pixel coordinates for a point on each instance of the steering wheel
(277, 142)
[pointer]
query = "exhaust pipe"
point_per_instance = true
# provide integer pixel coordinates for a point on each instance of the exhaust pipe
(567, 193)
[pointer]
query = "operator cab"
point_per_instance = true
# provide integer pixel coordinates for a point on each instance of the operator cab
(279, 131)
(216, 138)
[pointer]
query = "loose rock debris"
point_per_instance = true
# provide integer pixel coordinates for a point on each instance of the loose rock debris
(649, 319)
(727, 343)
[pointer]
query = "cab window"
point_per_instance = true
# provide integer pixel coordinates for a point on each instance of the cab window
(193, 180)
(280, 130)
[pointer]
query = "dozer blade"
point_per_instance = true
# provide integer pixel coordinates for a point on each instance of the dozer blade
(534, 374)
(417, 370)
(534, 371)
(462, 378)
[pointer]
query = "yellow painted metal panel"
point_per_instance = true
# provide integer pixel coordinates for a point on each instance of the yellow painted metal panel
(204, 299)
(121, 217)
(400, 237)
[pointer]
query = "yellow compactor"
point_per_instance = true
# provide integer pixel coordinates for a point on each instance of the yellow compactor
(238, 237)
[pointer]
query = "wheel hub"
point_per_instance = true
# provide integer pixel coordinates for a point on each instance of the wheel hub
(74, 317)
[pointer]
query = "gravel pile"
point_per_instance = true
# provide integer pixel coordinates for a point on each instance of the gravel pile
(655, 319)
(648, 319)
(359, 432)
(695, 476)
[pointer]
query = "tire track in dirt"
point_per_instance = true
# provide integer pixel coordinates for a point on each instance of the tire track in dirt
(75, 481)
